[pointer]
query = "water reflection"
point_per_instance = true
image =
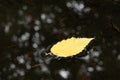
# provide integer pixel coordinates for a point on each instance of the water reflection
(77, 6)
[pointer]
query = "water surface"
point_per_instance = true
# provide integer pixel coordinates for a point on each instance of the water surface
(29, 28)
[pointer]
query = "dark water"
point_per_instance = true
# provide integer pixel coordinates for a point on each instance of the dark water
(28, 28)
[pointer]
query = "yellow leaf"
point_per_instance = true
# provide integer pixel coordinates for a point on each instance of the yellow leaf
(70, 47)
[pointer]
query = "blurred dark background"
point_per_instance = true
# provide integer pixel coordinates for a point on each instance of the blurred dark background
(29, 27)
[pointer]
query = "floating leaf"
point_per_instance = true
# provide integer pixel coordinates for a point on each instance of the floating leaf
(70, 47)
